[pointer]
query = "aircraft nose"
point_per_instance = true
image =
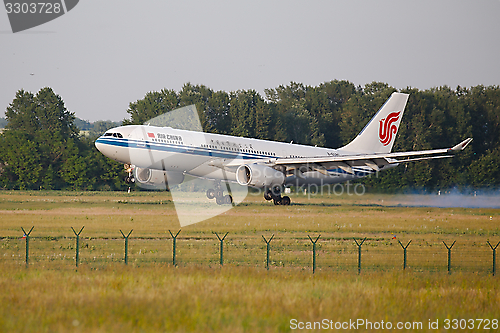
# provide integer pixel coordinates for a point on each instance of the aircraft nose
(98, 145)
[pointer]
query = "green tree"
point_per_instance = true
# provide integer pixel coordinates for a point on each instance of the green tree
(198, 95)
(152, 105)
(41, 148)
(100, 127)
(485, 171)
(41, 124)
(217, 113)
(21, 161)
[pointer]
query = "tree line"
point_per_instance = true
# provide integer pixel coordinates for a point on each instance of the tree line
(42, 149)
(330, 115)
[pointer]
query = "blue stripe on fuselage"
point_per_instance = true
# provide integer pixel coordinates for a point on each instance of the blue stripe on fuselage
(172, 148)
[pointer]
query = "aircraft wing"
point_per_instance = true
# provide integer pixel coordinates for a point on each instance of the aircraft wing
(375, 161)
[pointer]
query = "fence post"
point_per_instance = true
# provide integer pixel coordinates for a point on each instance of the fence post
(27, 236)
(404, 249)
(221, 247)
(174, 238)
(449, 255)
(77, 244)
(494, 256)
(267, 246)
(359, 253)
(314, 250)
(126, 245)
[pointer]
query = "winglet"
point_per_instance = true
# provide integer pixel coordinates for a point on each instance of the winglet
(461, 145)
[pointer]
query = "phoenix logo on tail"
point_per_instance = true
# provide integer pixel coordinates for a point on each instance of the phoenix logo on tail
(387, 128)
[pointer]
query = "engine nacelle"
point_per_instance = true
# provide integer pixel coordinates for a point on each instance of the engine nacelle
(157, 178)
(258, 175)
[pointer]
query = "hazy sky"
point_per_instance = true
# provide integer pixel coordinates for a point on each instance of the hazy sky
(104, 54)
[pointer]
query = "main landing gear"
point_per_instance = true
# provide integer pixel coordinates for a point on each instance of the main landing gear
(219, 196)
(274, 194)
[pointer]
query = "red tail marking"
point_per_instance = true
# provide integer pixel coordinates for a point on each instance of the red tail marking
(387, 128)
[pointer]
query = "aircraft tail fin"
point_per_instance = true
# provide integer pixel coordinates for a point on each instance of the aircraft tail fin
(379, 134)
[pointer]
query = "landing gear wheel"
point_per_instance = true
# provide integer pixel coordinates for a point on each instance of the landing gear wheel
(285, 201)
(218, 194)
(277, 201)
(210, 193)
(276, 192)
(227, 199)
(268, 195)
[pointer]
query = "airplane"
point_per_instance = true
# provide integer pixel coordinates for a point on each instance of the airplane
(153, 155)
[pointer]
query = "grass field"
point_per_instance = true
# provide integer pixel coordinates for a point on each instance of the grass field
(150, 294)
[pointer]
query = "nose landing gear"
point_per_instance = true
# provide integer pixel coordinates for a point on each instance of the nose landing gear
(130, 177)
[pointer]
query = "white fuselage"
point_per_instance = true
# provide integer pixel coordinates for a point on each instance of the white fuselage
(204, 154)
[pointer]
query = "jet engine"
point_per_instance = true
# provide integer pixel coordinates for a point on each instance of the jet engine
(258, 175)
(157, 179)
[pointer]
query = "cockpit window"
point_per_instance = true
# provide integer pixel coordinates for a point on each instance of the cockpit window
(115, 135)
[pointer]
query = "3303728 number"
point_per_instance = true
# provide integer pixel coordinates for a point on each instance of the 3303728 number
(485, 324)
(33, 8)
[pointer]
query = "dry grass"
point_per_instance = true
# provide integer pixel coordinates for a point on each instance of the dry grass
(231, 299)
